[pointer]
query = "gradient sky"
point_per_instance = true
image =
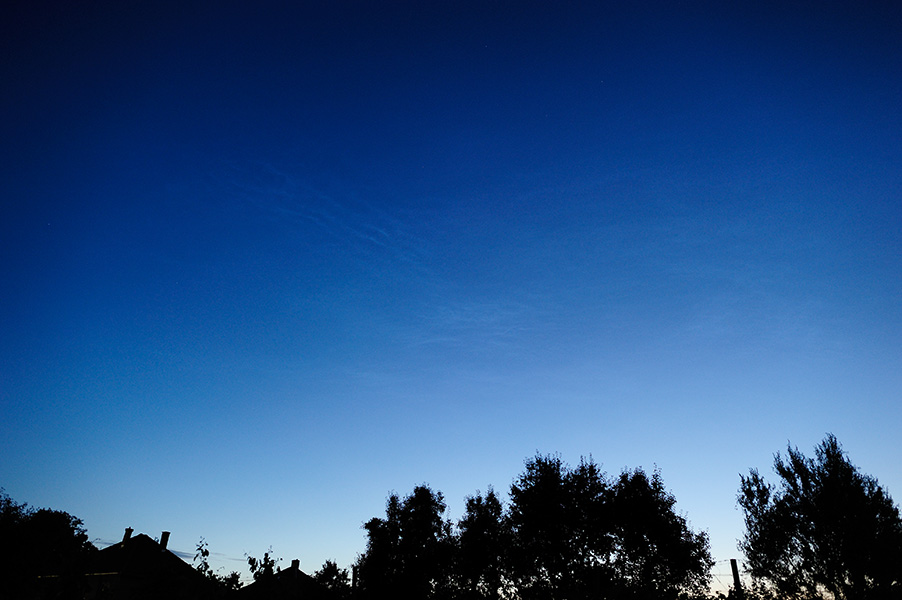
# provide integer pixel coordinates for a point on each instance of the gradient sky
(263, 265)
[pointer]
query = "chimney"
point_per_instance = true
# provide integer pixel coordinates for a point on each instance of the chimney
(296, 564)
(164, 540)
(128, 534)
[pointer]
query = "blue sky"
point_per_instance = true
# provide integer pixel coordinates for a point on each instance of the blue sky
(263, 265)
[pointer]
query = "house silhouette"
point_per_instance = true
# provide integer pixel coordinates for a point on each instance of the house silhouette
(286, 584)
(139, 568)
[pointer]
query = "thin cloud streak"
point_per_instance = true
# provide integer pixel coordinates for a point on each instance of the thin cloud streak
(355, 226)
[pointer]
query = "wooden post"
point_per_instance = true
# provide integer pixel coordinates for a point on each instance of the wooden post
(737, 585)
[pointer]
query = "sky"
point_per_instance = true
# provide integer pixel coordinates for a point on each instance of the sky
(265, 263)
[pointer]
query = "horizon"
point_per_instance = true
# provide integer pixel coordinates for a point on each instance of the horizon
(224, 564)
(265, 265)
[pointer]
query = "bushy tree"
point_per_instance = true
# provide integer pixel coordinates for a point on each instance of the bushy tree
(577, 534)
(37, 543)
(334, 579)
(409, 554)
(568, 533)
(827, 530)
(379, 568)
(655, 554)
(558, 527)
(482, 542)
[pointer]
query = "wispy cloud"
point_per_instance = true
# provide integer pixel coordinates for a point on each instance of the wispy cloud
(474, 324)
(387, 242)
(352, 224)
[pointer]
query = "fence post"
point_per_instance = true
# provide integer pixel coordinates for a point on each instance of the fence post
(737, 585)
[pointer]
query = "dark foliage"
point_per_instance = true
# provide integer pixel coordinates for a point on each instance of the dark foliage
(43, 552)
(482, 541)
(576, 534)
(827, 531)
(263, 568)
(334, 579)
(655, 553)
(557, 528)
(568, 533)
(410, 553)
(223, 583)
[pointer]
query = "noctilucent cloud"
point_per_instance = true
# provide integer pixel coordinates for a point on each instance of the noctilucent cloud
(263, 265)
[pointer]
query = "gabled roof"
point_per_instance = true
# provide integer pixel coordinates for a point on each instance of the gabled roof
(141, 554)
(139, 567)
(287, 584)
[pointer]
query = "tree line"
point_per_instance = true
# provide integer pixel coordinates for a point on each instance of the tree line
(824, 530)
(566, 533)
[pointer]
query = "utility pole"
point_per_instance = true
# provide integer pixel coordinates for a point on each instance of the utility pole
(737, 585)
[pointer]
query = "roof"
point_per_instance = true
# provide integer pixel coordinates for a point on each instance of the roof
(288, 584)
(140, 567)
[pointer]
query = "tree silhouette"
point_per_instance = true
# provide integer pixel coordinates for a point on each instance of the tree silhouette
(655, 553)
(39, 543)
(232, 581)
(828, 530)
(380, 568)
(410, 552)
(554, 518)
(334, 579)
(263, 568)
(578, 535)
(482, 541)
